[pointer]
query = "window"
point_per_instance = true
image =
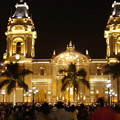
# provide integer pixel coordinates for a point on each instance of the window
(99, 71)
(18, 48)
(118, 45)
(42, 72)
(18, 28)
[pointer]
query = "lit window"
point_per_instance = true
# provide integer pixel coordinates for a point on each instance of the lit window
(42, 71)
(99, 72)
(18, 46)
(18, 28)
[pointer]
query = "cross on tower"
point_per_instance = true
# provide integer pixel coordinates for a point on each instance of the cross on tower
(21, 0)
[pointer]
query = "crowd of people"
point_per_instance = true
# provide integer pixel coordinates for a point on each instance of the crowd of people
(59, 111)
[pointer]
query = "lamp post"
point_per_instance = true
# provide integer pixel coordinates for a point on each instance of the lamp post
(3, 93)
(115, 95)
(112, 95)
(34, 91)
(108, 86)
(27, 94)
(92, 96)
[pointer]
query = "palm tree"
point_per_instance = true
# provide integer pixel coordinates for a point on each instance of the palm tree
(14, 78)
(74, 77)
(114, 70)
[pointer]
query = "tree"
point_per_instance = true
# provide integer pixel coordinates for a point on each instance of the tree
(114, 70)
(74, 77)
(14, 78)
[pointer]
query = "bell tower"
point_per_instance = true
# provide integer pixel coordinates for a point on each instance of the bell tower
(20, 34)
(112, 32)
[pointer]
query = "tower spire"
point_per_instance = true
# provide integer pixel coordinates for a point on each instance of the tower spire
(21, 10)
(70, 44)
(21, 18)
(54, 52)
(87, 53)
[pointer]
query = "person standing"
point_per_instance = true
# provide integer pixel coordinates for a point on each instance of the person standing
(61, 113)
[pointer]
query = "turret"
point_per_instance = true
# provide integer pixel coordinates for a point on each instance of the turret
(112, 32)
(87, 54)
(20, 33)
(21, 10)
(54, 54)
(70, 47)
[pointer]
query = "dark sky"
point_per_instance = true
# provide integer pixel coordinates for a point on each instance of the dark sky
(59, 21)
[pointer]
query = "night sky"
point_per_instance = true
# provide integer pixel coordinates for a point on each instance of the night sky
(59, 21)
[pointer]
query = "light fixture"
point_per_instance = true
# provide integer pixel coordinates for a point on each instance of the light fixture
(97, 91)
(62, 56)
(49, 92)
(3, 93)
(17, 56)
(84, 98)
(34, 87)
(106, 92)
(91, 92)
(77, 56)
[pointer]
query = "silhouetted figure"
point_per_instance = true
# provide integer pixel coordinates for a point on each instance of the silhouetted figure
(83, 114)
(74, 112)
(27, 114)
(43, 114)
(19, 114)
(61, 113)
(1, 117)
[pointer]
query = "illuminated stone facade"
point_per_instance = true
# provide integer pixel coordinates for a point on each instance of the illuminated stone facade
(21, 37)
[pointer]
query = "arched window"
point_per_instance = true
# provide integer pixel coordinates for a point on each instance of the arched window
(99, 71)
(118, 45)
(18, 28)
(41, 71)
(18, 46)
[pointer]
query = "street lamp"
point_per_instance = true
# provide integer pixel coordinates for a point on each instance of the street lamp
(112, 95)
(34, 91)
(108, 86)
(17, 56)
(3, 93)
(27, 94)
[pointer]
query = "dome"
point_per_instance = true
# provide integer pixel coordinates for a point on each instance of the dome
(70, 55)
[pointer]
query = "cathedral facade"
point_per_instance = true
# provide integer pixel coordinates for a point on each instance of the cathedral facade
(21, 35)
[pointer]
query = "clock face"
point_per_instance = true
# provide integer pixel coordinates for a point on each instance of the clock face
(20, 13)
